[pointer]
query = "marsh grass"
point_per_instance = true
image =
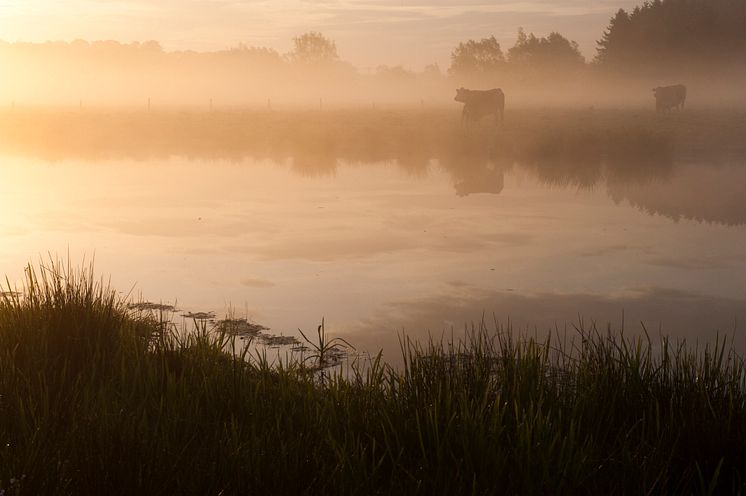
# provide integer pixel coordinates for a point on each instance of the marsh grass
(97, 399)
(412, 136)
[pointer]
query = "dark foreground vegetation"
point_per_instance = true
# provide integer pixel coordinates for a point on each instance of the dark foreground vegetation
(97, 400)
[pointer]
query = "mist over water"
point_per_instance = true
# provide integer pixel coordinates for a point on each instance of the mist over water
(392, 220)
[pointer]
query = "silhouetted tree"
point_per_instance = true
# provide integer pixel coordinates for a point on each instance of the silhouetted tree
(313, 47)
(553, 53)
(684, 33)
(477, 57)
(615, 41)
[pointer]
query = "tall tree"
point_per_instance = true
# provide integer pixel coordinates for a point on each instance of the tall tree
(553, 53)
(683, 33)
(477, 57)
(615, 43)
(313, 47)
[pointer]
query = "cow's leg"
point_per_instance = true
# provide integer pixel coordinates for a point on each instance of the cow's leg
(467, 119)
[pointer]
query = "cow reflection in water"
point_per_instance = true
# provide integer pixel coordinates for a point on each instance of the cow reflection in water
(485, 179)
(477, 164)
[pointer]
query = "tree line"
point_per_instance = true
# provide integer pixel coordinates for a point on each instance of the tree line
(657, 36)
(308, 48)
(485, 58)
(675, 33)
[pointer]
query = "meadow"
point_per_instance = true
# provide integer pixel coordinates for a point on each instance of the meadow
(98, 399)
(316, 138)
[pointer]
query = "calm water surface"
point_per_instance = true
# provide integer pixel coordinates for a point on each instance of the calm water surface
(377, 248)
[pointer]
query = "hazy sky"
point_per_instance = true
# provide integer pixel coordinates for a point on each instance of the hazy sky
(367, 32)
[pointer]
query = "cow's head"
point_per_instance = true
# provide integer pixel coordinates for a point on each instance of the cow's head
(461, 94)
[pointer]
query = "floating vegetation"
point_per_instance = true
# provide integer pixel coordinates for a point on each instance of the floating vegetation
(240, 327)
(203, 316)
(249, 330)
(274, 341)
(151, 307)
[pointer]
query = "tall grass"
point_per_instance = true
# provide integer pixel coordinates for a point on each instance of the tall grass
(95, 399)
(316, 140)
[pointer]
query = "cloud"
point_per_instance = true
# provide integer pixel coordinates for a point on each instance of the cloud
(678, 313)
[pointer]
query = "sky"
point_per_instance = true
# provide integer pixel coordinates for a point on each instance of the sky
(368, 33)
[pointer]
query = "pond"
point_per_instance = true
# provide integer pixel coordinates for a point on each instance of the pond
(381, 247)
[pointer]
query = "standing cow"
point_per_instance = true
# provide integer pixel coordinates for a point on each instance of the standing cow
(669, 97)
(479, 103)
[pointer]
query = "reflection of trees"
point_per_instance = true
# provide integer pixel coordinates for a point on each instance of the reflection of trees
(312, 153)
(701, 193)
(559, 157)
(632, 158)
(637, 157)
(565, 158)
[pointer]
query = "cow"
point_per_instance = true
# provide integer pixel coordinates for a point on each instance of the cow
(479, 103)
(669, 97)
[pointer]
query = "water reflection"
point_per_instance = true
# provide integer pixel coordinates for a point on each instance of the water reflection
(686, 315)
(384, 221)
(706, 194)
(638, 161)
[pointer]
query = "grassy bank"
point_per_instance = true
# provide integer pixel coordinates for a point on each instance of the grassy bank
(97, 400)
(315, 139)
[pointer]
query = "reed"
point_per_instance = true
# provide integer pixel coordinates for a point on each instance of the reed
(98, 399)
